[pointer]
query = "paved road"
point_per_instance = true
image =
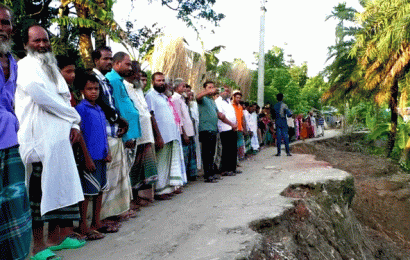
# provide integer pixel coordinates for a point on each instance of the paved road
(210, 221)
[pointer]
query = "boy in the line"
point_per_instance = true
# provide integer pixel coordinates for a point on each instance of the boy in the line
(93, 128)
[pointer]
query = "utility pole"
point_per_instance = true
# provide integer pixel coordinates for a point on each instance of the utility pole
(261, 64)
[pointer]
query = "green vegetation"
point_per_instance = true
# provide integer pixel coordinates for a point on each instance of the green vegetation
(302, 93)
(369, 75)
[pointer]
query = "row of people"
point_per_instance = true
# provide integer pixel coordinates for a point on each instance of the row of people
(111, 144)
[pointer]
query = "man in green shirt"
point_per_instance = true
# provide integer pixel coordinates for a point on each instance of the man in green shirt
(208, 128)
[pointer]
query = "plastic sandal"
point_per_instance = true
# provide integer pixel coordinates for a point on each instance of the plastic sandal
(46, 254)
(68, 243)
(94, 235)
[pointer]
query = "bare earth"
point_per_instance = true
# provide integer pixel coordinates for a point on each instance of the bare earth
(382, 200)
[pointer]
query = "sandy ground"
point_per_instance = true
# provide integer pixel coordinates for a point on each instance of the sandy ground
(211, 221)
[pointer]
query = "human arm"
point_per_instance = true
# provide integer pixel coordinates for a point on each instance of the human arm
(122, 126)
(108, 158)
(159, 142)
(89, 163)
(203, 93)
(223, 118)
(244, 126)
(51, 102)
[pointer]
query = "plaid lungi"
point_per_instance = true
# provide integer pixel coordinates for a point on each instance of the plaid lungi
(15, 216)
(190, 158)
(240, 145)
(144, 171)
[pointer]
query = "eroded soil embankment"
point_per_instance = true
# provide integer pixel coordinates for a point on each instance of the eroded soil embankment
(364, 217)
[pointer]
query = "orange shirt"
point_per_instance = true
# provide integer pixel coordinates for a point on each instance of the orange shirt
(239, 116)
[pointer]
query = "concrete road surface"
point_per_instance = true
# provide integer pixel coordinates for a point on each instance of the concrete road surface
(210, 220)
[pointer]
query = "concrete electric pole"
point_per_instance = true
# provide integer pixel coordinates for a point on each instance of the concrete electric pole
(261, 64)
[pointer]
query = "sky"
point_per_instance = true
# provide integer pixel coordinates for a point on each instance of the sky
(297, 26)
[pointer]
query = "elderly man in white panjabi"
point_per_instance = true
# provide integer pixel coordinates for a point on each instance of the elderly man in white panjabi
(48, 126)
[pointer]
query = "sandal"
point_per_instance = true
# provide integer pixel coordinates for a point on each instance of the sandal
(211, 180)
(114, 223)
(178, 191)
(108, 229)
(68, 243)
(46, 254)
(77, 236)
(162, 197)
(132, 213)
(94, 235)
(142, 201)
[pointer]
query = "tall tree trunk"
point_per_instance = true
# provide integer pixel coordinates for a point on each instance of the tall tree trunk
(100, 36)
(100, 39)
(86, 48)
(394, 116)
(64, 11)
(85, 43)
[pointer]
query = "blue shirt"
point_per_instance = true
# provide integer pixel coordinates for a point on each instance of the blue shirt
(107, 92)
(125, 105)
(281, 117)
(93, 128)
(8, 120)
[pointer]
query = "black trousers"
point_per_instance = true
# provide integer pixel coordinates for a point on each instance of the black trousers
(208, 140)
(229, 151)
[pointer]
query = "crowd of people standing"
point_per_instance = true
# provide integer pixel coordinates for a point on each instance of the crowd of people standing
(91, 146)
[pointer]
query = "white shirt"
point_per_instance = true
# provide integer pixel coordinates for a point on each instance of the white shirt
(183, 112)
(291, 122)
(226, 108)
(252, 122)
(46, 118)
(158, 104)
(137, 97)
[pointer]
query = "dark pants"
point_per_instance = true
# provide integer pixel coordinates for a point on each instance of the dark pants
(282, 133)
(229, 154)
(208, 140)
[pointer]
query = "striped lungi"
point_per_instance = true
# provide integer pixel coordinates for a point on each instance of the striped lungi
(218, 153)
(248, 146)
(117, 199)
(144, 170)
(15, 216)
(240, 143)
(190, 158)
(169, 168)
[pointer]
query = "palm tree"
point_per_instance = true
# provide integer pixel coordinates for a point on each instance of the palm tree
(343, 78)
(382, 49)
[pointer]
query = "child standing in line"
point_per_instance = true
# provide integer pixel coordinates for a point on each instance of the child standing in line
(93, 128)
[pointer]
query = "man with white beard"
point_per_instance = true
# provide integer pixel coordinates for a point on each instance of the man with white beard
(48, 128)
(15, 219)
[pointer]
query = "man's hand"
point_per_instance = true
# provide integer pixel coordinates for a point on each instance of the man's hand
(123, 127)
(130, 144)
(234, 126)
(108, 158)
(89, 165)
(75, 136)
(185, 139)
(159, 144)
